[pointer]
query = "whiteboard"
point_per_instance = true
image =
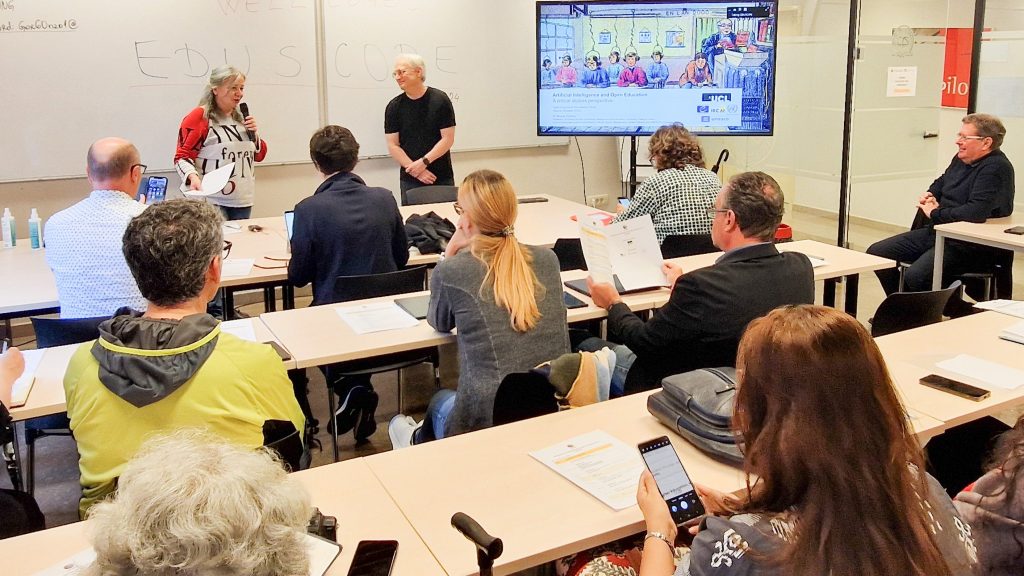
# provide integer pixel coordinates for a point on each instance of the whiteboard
(480, 52)
(73, 71)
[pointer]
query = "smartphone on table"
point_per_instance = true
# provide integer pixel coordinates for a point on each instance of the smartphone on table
(673, 482)
(955, 387)
(374, 558)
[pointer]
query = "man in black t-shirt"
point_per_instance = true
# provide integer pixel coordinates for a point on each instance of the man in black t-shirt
(419, 125)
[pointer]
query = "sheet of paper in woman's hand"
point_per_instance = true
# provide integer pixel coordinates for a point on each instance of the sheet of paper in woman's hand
(214, 181)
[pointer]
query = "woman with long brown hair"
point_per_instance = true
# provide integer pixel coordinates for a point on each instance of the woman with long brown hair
(835, 478)
(504, 297)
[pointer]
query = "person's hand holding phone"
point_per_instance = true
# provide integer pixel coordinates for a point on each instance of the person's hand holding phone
(653, 507)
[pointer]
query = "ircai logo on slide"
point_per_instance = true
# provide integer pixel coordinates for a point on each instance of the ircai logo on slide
(704, 109)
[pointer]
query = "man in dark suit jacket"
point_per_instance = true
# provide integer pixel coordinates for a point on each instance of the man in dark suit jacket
(709, 308)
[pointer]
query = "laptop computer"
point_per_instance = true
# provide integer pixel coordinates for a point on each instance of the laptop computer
(580, 285)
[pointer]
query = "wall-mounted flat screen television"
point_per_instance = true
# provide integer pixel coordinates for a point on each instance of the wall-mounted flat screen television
(626, 68)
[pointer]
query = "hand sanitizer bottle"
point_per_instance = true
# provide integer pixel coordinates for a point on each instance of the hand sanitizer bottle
(35, 226)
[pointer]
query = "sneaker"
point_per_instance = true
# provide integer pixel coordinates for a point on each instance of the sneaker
(366, 424)
(347, 415)
(401, 429)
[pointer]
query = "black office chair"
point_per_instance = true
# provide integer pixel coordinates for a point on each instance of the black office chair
(282, 437)
(348, 288)
(430, 195)
(905, 310)
(51, 332)
(570, 254)
(523, 395)
(679, 245)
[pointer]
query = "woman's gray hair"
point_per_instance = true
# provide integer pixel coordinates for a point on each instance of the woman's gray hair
(221, 75)
(414, 60)
(190, 503)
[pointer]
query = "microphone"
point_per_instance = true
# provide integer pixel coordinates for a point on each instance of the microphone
(244, 108)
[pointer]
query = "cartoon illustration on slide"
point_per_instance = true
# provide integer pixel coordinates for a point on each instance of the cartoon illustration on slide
(566, 75)
(547, 75)
(718, 42)
(657, 72)
(632, 75)
(697, 73)
(594, 76)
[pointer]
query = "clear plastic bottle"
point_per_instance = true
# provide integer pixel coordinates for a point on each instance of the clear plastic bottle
(7, 227)
(35, 230)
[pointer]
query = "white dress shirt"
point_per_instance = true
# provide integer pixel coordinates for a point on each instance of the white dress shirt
(83, 248)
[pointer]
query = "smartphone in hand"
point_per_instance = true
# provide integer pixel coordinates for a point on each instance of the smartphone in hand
(673, 482)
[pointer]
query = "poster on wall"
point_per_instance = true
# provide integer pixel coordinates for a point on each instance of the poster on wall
(901, 82)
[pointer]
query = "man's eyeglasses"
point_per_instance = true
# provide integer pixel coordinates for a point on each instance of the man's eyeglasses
(712, 212)
(399, 72)
(960, 137)
(141, 167)
(458, 209)
(227, 250)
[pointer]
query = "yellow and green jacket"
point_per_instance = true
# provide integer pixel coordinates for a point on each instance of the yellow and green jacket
(144, 377)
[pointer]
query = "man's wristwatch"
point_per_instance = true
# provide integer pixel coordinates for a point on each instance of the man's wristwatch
(426, 161)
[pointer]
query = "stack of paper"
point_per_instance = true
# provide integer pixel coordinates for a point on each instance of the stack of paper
(242, 328)
(376, 317)
(1009, 307)
(235, 267)
(23, 385)
(1014, 333)
(976, 371)
(599, 463)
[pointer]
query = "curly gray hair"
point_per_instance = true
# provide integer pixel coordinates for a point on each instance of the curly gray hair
(190, 503)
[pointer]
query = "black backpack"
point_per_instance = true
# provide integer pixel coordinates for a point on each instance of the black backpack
(698, 405)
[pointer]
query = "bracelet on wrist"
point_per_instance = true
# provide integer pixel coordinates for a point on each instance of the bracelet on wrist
(661, 537)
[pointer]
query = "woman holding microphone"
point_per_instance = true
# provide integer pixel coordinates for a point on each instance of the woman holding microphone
(217, 133)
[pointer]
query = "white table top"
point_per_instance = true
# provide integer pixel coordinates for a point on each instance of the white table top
(991, 232)
(28, 282)
(47, 395)
(912, 354)
(538, 514)
(347, 490)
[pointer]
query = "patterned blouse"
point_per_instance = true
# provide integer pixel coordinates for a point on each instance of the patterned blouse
(677, 200)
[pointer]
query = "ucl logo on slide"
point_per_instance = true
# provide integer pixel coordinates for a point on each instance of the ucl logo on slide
(716, 97)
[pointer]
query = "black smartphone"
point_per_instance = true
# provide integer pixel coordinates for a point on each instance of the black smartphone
(956, 388)
(156, 189)
(572, 301)
(1018, 230)
(374, 558)
(285, 356)
(673, 482)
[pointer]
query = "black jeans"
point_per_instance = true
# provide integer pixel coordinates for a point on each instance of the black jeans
(917, 247)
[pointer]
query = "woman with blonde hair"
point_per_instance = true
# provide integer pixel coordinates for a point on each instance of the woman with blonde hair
(214, 134)
(679, 195)
(504, 297)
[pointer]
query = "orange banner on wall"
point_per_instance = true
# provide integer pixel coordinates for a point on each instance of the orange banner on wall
(956, 72)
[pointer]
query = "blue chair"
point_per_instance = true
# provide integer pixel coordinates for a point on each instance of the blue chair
(52, 332)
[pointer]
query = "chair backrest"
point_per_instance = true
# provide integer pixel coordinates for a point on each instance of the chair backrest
(679, 245)
(52, 332)
(570, 254)
(384, 284)
(905, 310)
(523, 395)
(430, 195)
(282, 437)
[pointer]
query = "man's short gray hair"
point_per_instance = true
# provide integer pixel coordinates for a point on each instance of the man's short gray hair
(169, 247)
(988, 126)
(757, 201)
(414, 60)
(191, 503)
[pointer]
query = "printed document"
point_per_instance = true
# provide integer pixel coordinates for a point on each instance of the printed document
(974, 370)
(23, 385)
(214, 181)
(601, 464)
(242, 328)
(1008, 307)
(235, 267)
(628, 250)
(376, 317)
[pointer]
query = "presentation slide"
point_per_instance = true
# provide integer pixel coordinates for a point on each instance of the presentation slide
(629, 68)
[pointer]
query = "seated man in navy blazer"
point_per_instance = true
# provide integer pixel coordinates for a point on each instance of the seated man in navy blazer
(709, 308)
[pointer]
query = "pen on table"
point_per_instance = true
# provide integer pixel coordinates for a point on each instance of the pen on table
(233, 226)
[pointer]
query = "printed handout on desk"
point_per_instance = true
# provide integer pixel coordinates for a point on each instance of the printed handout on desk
(816, 261)
(235, 267)
(601, 464)
(1008, 307)
(321, 555)
(23, 385)
(214, 181)
(628, 250)
(1013, 333)
(242, 328)
(987, 374)
(376, 317)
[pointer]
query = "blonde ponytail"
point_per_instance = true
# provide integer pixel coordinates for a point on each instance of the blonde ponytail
(489, 200)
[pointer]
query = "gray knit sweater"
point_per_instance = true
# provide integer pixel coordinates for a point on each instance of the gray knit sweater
(489, 349)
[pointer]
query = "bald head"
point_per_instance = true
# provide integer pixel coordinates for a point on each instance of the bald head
(110, 165)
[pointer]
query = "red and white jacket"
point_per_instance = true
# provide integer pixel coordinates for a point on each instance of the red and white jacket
(205, 144)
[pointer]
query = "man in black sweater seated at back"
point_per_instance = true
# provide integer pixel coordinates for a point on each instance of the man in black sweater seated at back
(978, 185)
(709, 308)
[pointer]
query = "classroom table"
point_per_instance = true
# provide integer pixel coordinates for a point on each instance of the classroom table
(912, 354)
(347, 490)
(989, 233)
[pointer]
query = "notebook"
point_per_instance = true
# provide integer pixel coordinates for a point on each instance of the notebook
(23, 385)
(416, 306)
(572, 301)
